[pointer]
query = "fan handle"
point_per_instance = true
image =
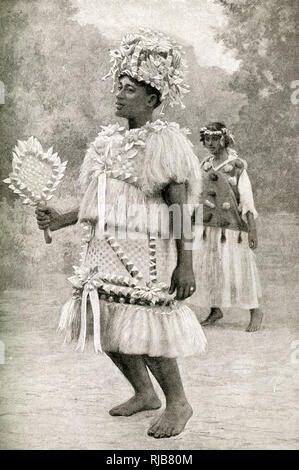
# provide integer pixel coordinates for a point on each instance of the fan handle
(47, 236)
(47, 232)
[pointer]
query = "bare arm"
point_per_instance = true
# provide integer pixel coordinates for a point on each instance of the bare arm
(252, 232)
(47, 217)
(182, 280)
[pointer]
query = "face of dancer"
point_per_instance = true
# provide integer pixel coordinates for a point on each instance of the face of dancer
(132, 99)
(213, 144)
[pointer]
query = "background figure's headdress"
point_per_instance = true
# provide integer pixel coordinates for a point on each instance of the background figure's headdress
(151, 57)
(223, 132)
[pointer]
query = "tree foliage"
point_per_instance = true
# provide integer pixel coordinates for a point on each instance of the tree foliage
(264, 36)
(52, 68)
(24, 256)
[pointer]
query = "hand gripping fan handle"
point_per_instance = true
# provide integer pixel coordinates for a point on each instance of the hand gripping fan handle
(47, 236)
(47, 233)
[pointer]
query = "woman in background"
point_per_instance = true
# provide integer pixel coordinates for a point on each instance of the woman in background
(225, 267)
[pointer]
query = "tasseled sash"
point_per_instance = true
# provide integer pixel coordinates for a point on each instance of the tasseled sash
(74, 317)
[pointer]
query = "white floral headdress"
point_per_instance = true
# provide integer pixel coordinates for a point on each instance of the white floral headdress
(222, 132)
(151, 57)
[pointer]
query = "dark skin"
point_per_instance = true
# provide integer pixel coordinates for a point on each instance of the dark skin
(182, 280)
(136, 105)
(219, 151)
(48, 217)
(252, 232)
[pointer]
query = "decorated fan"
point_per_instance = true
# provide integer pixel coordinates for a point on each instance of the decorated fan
(35, 174)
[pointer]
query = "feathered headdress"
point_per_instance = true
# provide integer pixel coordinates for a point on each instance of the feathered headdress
(151, 57)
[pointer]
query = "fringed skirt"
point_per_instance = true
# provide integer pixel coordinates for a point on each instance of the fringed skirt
(155, 330)
(225, 271)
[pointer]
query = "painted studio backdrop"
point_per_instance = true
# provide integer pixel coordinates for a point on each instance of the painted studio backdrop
(242, 71)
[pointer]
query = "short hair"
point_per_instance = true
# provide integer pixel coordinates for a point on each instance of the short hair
(150, 90)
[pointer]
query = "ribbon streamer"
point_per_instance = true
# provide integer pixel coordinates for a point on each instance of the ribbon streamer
(102, 181)
(95, 307)
(101, 205)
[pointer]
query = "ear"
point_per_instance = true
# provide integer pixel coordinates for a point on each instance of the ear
(152, 100)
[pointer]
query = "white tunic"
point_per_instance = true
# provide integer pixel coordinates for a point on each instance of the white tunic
(133, 166)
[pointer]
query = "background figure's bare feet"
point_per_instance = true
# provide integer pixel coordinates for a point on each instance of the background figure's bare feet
(215, 315)
(256, 317)
(140, 402)
(172, 421)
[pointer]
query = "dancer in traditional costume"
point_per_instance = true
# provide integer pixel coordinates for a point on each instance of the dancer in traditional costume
(225, 264)
(130, 286)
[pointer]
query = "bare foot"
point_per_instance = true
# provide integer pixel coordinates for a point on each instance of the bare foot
(172, 421)
(140, 402)
(214, 316)
(256, 317)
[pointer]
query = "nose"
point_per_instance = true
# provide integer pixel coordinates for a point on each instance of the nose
(118, 93)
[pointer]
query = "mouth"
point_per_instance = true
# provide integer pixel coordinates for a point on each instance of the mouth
(119, 105)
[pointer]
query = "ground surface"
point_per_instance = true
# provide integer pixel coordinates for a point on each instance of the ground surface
(244, 390)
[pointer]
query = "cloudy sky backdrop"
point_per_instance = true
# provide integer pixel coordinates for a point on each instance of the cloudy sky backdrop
(195, 22)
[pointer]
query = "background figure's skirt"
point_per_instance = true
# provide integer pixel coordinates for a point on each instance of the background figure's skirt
(225, 272)
(170, 331)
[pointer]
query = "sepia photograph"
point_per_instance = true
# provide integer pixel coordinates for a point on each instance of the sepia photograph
(149, 208)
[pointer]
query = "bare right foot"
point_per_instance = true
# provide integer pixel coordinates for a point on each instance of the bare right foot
(214, 316)
(172, 421)
(140, 402)
(256, 318)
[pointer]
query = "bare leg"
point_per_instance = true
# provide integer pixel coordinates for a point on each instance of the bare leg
(256, 317)
(178, 411)
(134, 369)
(215, 315)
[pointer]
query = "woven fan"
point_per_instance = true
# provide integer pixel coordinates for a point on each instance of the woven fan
(35, 174)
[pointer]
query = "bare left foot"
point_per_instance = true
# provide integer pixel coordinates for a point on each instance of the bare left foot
(172, 421)
(255, 320)
(139, 402)
(215, 315)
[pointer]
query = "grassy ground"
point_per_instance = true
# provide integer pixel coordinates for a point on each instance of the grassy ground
(244, 390)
